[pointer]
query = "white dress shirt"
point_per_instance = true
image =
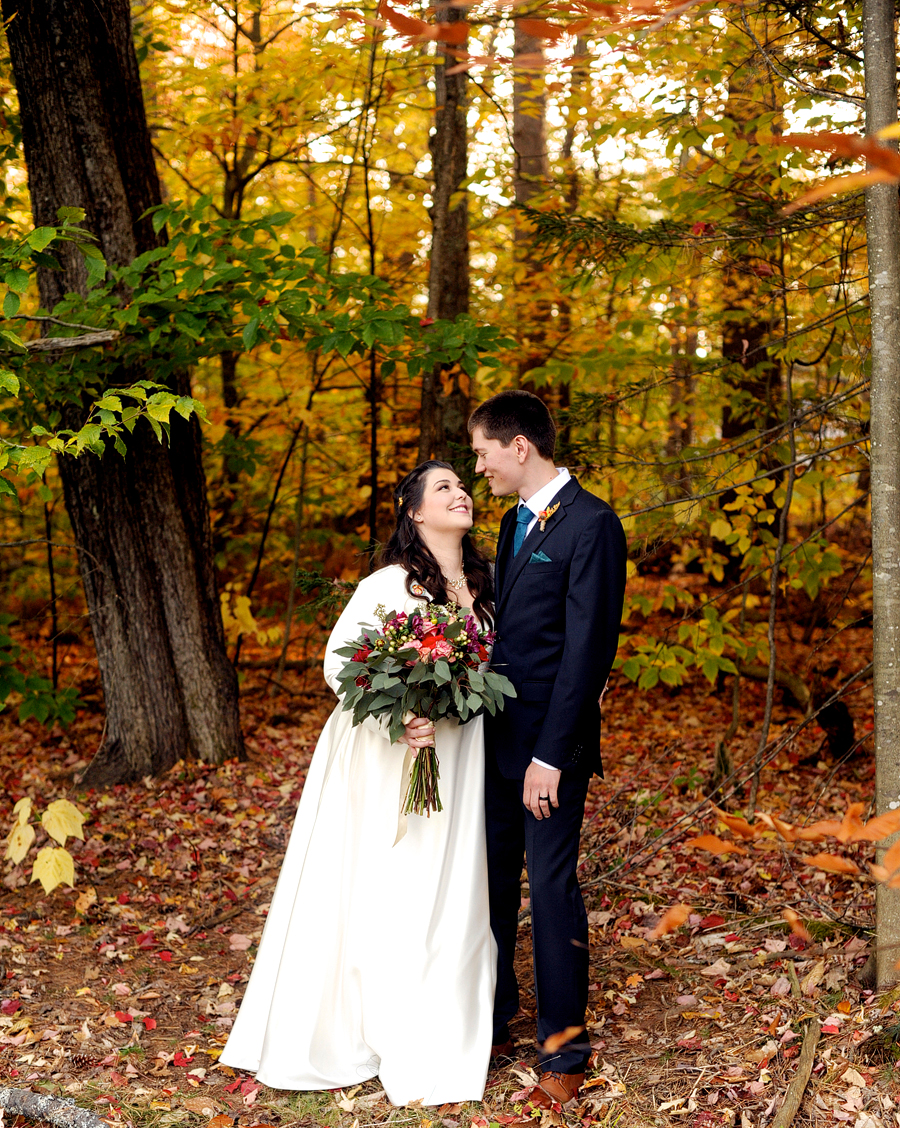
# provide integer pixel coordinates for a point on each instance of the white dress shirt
(537, 502)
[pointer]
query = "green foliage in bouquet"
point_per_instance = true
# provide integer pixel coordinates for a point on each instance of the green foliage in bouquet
(432, 663)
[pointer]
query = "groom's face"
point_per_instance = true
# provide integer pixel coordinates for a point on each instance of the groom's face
(501, 465)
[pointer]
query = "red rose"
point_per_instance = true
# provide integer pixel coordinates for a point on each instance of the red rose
(362, 654)
(364, 681)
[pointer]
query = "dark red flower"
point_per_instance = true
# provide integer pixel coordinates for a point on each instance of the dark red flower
(363, 681)
(362, 654)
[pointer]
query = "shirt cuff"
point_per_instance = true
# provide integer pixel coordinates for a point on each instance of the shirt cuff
(544, 764)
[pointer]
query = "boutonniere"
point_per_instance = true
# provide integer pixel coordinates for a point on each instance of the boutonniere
(545, 515)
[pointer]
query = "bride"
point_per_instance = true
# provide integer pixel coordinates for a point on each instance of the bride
(378, 959)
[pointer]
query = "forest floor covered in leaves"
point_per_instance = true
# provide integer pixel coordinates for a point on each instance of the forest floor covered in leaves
(120, 993)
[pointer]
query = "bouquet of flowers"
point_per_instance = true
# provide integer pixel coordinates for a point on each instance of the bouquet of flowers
(432, 663)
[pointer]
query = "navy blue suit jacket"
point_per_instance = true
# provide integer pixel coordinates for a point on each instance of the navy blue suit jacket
(557, 632)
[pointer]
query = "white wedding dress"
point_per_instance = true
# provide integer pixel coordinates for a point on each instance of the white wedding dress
(376, 959)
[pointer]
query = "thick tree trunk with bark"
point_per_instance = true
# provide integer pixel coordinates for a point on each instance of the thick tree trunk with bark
(883, 242)
(141, 522)
(445, 403)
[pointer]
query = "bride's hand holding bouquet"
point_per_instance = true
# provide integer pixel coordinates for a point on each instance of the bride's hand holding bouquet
(426, 666)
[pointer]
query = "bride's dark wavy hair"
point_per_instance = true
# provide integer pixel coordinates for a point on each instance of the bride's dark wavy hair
(407, 548)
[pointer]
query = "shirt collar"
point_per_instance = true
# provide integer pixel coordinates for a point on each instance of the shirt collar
(542, 498)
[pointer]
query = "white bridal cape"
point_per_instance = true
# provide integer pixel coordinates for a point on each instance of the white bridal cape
(376, 959)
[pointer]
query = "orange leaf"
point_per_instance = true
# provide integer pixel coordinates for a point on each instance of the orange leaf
(851, 822)
(848, 145)
(739, 825)
(891, 859)
(674, 917)
(837, 184)
(785, 830)
(450, 33)
(880, 827)
(879, 872)
(831, 863)
(556, 1041)
(715, 845)
(542, 29)
(815, 832)
(406, 25)
(797, 926)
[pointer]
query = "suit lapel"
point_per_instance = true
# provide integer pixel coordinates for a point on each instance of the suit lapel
(504, 550)
(516, 564)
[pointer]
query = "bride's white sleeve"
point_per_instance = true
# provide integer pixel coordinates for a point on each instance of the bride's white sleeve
(356, 616)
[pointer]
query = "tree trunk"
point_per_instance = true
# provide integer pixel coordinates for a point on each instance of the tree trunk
(445, 402)
(883, 242)
(531, 179)
(141, 522)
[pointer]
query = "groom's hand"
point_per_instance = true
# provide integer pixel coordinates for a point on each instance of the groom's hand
(539, 790)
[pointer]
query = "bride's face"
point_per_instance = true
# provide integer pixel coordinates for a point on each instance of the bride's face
(446, 506)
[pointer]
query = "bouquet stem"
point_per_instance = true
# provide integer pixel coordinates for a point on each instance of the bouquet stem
(422, 796)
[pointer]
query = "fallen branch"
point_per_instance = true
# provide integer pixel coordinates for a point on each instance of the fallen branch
(787, 680)
(797, 1087)
(58, 344)
(62, 1112)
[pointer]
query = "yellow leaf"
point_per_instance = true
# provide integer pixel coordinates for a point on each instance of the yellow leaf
(243, 614)
(54, 866)
(19, 842)
(23, 810)
(892, 130)
(720, 528)
(61, 820)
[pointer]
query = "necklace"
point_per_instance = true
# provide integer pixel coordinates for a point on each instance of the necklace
(459, 584)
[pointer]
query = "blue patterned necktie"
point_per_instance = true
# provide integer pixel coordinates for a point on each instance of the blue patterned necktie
(523, 519)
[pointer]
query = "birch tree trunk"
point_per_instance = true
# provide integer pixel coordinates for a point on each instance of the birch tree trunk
(883, 243)
(445, 402)
(141, 522)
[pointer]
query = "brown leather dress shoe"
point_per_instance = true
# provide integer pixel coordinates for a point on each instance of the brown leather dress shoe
(503, 1050)
(556, 1088)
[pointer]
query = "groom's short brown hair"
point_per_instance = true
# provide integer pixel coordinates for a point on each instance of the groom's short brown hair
(512, 413)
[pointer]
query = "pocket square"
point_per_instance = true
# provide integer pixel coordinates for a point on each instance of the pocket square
(539, 558)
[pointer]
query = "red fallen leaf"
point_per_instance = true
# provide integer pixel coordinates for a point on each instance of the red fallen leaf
(117, 1078)
(230, 895)
(234, 1086)
(690, 1043)
(790, 1051)
(123, 898)
(426, 321)
(180, 1059)
(167, 956)
(149, 1023)
(830, 1028)
(122, 1016)
(145, 940)
(712, 921)
(9, 1006)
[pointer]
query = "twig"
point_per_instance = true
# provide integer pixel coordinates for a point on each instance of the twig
(795, 1090)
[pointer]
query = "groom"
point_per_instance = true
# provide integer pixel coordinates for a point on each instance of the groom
(560, 581)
